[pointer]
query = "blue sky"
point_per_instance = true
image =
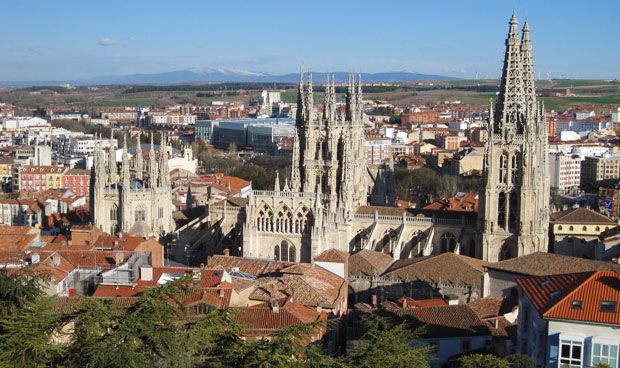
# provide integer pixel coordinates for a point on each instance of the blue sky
(56, 40)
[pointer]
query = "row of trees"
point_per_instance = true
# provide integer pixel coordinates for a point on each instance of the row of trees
(426, 185)
(154, 331)
(260, 169)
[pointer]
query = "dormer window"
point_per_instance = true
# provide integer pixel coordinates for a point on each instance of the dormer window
(608, 306)
(545, 282)
(576, 304)
(554, 294)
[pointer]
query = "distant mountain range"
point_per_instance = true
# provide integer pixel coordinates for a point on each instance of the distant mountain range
(212, 75)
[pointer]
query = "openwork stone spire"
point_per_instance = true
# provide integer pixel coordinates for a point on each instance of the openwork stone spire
(509, 108)
(529, 87)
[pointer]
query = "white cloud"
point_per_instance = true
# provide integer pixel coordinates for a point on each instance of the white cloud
(107, 41)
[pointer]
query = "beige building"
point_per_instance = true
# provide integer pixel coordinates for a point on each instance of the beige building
(467, 160)
(596, 169)
(575, 232)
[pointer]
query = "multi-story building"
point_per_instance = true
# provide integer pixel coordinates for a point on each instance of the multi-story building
(596, 169)
(564, 171)
(77, 181)
(570, 320)
(575, 232)
(170, 119)
(378, 149)
(40, 178)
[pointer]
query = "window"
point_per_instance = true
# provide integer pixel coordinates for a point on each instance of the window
(284, 251)
(598, 228)
(560, 227)
(448, 243)
(465, 345)
(605, 353)
(140, 214)
(114, 213)
(571, 354)
(276, 253)
(576, 304)
(571, 228)
(608, 306)
(584, 228)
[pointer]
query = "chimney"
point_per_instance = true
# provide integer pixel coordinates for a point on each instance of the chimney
(118, 258)
(496, 323)
(374, 301)
(405, 303)
(56, 259)
(226, 252)
(146, 273)
(221, 293)
(275, 308)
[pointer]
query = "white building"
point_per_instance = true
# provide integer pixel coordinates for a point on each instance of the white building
(564, 171)
(570, 320)
(18, 123)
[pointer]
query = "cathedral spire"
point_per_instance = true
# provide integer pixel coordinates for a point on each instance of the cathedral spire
(359, 102)
(139, 161)
(276, 184)
(164, 172)
(299, 116)
(309, 100)
(509, 107)
(529, 87)
(152, 165)
(112, 160)
(125, 205)
(350, 99)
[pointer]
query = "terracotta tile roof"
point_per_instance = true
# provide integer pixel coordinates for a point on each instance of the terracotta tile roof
(252, 266)
(210, 277)
(450, 321)
(217, 297)
(541, 264)
(368, 263)
(492, 307)
(554, 296)
(332, 255)
(460, 202)
(407, 302)
(580, 216)
(263, 321)
(116, 291)
(309, 284)
(447, 267)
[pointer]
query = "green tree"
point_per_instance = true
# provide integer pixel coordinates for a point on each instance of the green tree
(520, 361)
(385, 344)
(26, 336)
(18, 290)
(482, 361)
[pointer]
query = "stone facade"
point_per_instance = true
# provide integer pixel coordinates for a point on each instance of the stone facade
(136, 201)
(514, 200)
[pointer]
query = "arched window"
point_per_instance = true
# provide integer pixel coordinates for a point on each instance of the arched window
(584, 228)
(571, 228)
(448, 243)
(503, 167)
(114, 212)
(560, 227)
(276, 252)
(140, 214)
(514, 168)
(501, 210)
(292, 254)
(598, 228)
(513, 210)
(284, 251)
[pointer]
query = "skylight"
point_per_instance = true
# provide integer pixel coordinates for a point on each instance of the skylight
(576, 304)
(545, 282)
(608, 306)
(553, 294)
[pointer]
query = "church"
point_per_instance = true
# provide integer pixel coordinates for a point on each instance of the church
(325, 204)
(138, 200)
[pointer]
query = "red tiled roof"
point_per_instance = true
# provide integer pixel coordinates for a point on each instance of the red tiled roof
(252, 266)
(407, 302)
(446, 267)
(332, 255)
(541, 263)
(580, 216)
(450, 321)
(368, 263)
(210, 277)
(461, 202)
(553, 296)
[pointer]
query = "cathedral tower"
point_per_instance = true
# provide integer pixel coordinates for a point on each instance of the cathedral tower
(514, 197)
